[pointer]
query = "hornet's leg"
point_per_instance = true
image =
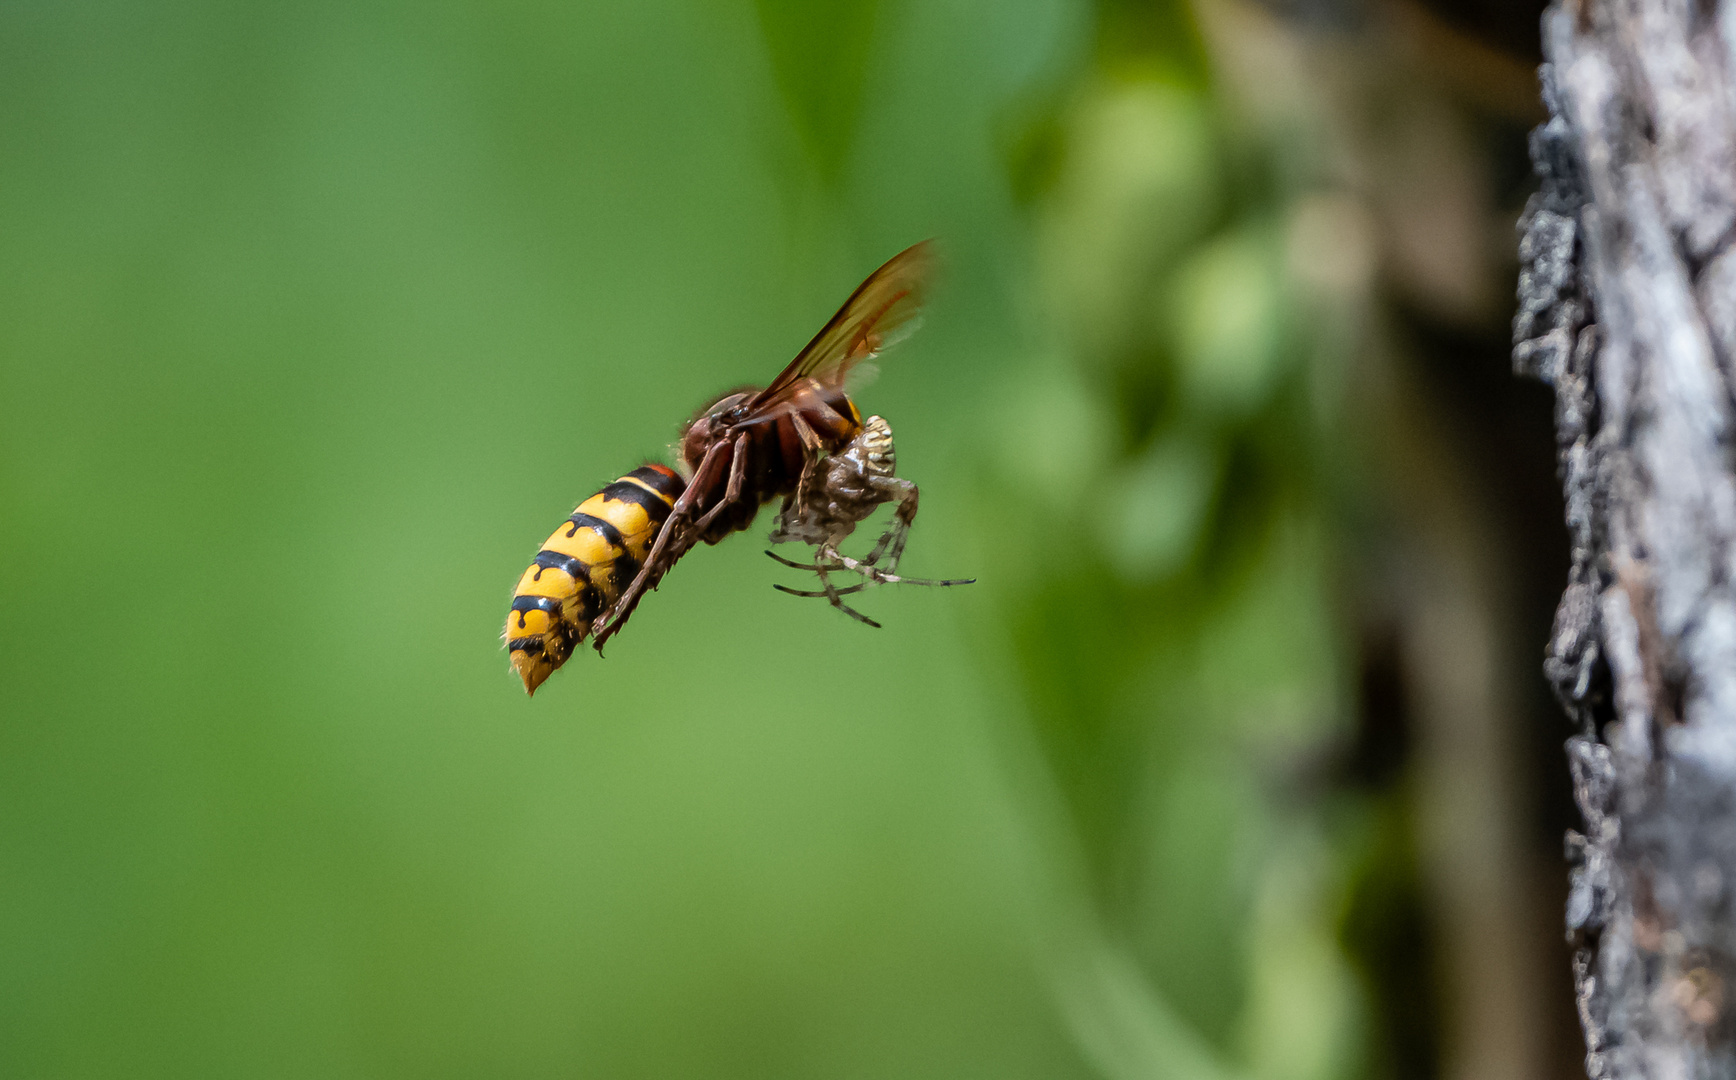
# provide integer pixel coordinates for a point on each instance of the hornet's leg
(737, 468)
(604, 626)
(815, 454)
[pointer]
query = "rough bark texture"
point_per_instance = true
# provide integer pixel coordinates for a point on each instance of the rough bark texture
(1627, 307)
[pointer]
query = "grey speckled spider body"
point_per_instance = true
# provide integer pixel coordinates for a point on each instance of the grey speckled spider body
(836, 493)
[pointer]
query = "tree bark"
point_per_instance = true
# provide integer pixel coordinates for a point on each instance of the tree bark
(1627, 307)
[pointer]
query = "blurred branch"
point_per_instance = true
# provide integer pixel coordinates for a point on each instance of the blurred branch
(1453, 619)
(1628, 308)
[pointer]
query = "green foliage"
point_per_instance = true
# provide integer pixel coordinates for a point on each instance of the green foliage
(1177, 646)
(316, 319)
(819, 53)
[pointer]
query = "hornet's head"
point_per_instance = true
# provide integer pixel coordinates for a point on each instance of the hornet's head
(710, 422)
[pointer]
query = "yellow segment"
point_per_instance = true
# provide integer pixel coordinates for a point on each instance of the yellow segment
(630, 518)
(553, 583)
(536, 623)
(584, 545)
(638, 532)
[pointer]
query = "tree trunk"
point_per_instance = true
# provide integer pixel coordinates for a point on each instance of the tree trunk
(1627, 307)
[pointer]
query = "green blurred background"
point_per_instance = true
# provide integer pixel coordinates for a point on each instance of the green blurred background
(315, 318)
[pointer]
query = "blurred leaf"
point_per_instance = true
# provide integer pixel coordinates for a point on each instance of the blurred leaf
(1272, 648)
(1154, 35)
(1195, 865)
(1052, 432)
(1125, 1029)
(1033, 142)
(1140, 184)
(819, 54)
(1225, 318)
(1305, 1013)
(334, 311)
(1156, 505)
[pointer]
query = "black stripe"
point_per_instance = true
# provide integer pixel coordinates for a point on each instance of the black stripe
(579, 572)
(626, 569)
(565, 635)
(557, 644)
(610, 534)
(523, 604)
(654, 505)
(590, 605)
(554, 560)
(664, 484)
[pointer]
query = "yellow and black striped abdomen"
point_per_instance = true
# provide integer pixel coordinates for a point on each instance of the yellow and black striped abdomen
(583, 567)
